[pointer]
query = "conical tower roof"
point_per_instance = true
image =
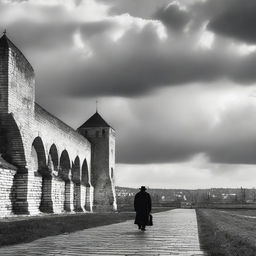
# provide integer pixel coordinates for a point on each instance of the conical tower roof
(95, 120)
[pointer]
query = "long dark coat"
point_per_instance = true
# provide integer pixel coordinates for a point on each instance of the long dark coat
(142, 207)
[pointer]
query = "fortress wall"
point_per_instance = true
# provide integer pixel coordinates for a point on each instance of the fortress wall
(7, 173)
(78, 196)
(21, 98)
(46, 204)
(35, 194)
(21, 93)
(58, 194)
(3, 79)
(27, 132)
(52, 130)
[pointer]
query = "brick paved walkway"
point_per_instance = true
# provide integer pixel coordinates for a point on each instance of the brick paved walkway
(174, 233)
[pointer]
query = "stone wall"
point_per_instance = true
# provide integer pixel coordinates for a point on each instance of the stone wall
(4, 79)
(54, 169)
(35, 195)
(7, 195)
(58, 194)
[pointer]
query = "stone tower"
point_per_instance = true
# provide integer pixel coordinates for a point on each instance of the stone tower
(102, 137)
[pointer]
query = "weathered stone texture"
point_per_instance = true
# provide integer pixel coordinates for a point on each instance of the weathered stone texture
(3, 79)
(58, 194)
(6, 189)
(35, 195)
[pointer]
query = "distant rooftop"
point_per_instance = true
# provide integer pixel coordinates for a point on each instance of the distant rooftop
(95, 121)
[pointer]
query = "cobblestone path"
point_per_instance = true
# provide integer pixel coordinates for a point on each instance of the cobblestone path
(174, 233)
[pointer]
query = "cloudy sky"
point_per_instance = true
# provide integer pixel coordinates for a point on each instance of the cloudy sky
(177, 80)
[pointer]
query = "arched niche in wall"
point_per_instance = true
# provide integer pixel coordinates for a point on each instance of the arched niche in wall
(38, 158)
(76, 172)
(85, 173)
(64, 169)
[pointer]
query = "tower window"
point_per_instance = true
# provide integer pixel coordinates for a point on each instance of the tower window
(97, 134)
(103, 133)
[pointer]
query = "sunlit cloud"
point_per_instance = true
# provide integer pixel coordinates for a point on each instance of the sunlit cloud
(80, 44)
(246, 49)
(126, 22)
(206, 38)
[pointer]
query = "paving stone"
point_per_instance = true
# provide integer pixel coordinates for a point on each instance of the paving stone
(174, 232)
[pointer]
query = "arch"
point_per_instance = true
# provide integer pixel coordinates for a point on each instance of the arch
(13, 151)
(53, 157)
(64, 173)
(11, 142)
(38, 154)
(85, 173)
(76, 178)
(38, 164)
(64, 163)
(76, 172)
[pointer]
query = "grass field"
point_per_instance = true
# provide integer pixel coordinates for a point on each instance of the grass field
(23, 229)
(226, 232)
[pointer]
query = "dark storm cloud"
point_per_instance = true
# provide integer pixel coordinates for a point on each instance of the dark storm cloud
(139, 62)
(237, 21)
(186, 127)
(159, 150)
(137, 69)
(173, 16)
(155, 150)
(49, 36)
(134, 55)
(140, 8)
(176, 124)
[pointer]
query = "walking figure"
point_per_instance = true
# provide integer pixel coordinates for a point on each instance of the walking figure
(142, 207)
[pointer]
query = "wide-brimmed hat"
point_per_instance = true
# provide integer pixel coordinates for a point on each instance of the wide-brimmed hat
(143, 188)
